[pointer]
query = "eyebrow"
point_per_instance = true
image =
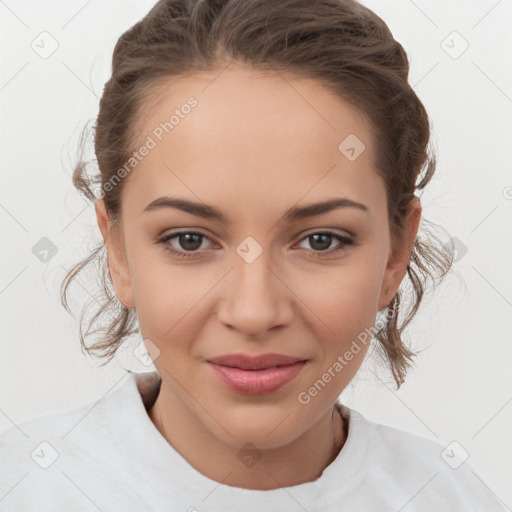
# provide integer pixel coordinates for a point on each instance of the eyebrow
(291, 215)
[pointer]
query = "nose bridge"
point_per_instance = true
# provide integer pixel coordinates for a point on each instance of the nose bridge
(255, 300)
(253, 273)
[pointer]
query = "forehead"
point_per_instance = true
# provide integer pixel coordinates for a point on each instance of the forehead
(251, 137)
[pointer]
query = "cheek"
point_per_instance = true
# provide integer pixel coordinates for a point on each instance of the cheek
(170, 301)
(343, 297)
(344, 305)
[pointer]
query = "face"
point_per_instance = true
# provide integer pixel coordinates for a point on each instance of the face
(269, 276)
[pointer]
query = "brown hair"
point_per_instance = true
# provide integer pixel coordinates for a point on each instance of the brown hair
(340, 43)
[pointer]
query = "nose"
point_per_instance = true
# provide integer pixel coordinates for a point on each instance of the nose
(255, 297)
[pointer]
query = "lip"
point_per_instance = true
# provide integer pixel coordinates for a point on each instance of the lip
(262, 362)
(255, 375)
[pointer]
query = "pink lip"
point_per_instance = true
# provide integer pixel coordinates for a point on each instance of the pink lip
(256, 375)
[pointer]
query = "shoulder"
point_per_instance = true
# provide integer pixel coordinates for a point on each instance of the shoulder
(17, 438)
(421, 471)
(51, 438)
(87, 425)
(32, 452)
(64, 457)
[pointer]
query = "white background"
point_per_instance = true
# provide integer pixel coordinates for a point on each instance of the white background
(460, 389)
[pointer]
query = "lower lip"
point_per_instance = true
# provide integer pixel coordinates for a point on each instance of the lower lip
(256, 382)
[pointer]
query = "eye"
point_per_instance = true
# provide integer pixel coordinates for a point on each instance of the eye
(321, 240)
(190, 242)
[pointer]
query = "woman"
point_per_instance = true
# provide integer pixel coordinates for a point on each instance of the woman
(258, 163)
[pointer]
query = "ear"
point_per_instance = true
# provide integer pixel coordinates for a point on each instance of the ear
(400, 254)
(117, 262)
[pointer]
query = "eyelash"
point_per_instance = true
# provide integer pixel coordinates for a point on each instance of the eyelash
(346, 243)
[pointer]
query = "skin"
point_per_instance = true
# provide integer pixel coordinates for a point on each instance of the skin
(254, 146)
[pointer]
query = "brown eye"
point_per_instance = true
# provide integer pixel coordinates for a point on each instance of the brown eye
(321, 241)
(188, 243)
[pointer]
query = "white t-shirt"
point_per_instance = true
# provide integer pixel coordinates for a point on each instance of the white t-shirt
(108, 456)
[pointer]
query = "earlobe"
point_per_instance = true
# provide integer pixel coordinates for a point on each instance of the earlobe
(399, 258)
(117, 262)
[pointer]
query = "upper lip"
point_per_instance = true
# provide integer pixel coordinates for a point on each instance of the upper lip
(246, 362)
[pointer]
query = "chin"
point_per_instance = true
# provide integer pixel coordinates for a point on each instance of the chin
(265, 427)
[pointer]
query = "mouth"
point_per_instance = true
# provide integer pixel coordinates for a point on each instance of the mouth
(255, 375)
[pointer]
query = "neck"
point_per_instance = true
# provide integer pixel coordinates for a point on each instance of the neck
(302, 460)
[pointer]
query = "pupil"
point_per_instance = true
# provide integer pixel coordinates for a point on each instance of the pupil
(325, 244)
(189, 241)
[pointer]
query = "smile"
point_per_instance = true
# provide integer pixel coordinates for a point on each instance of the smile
(256, 376)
